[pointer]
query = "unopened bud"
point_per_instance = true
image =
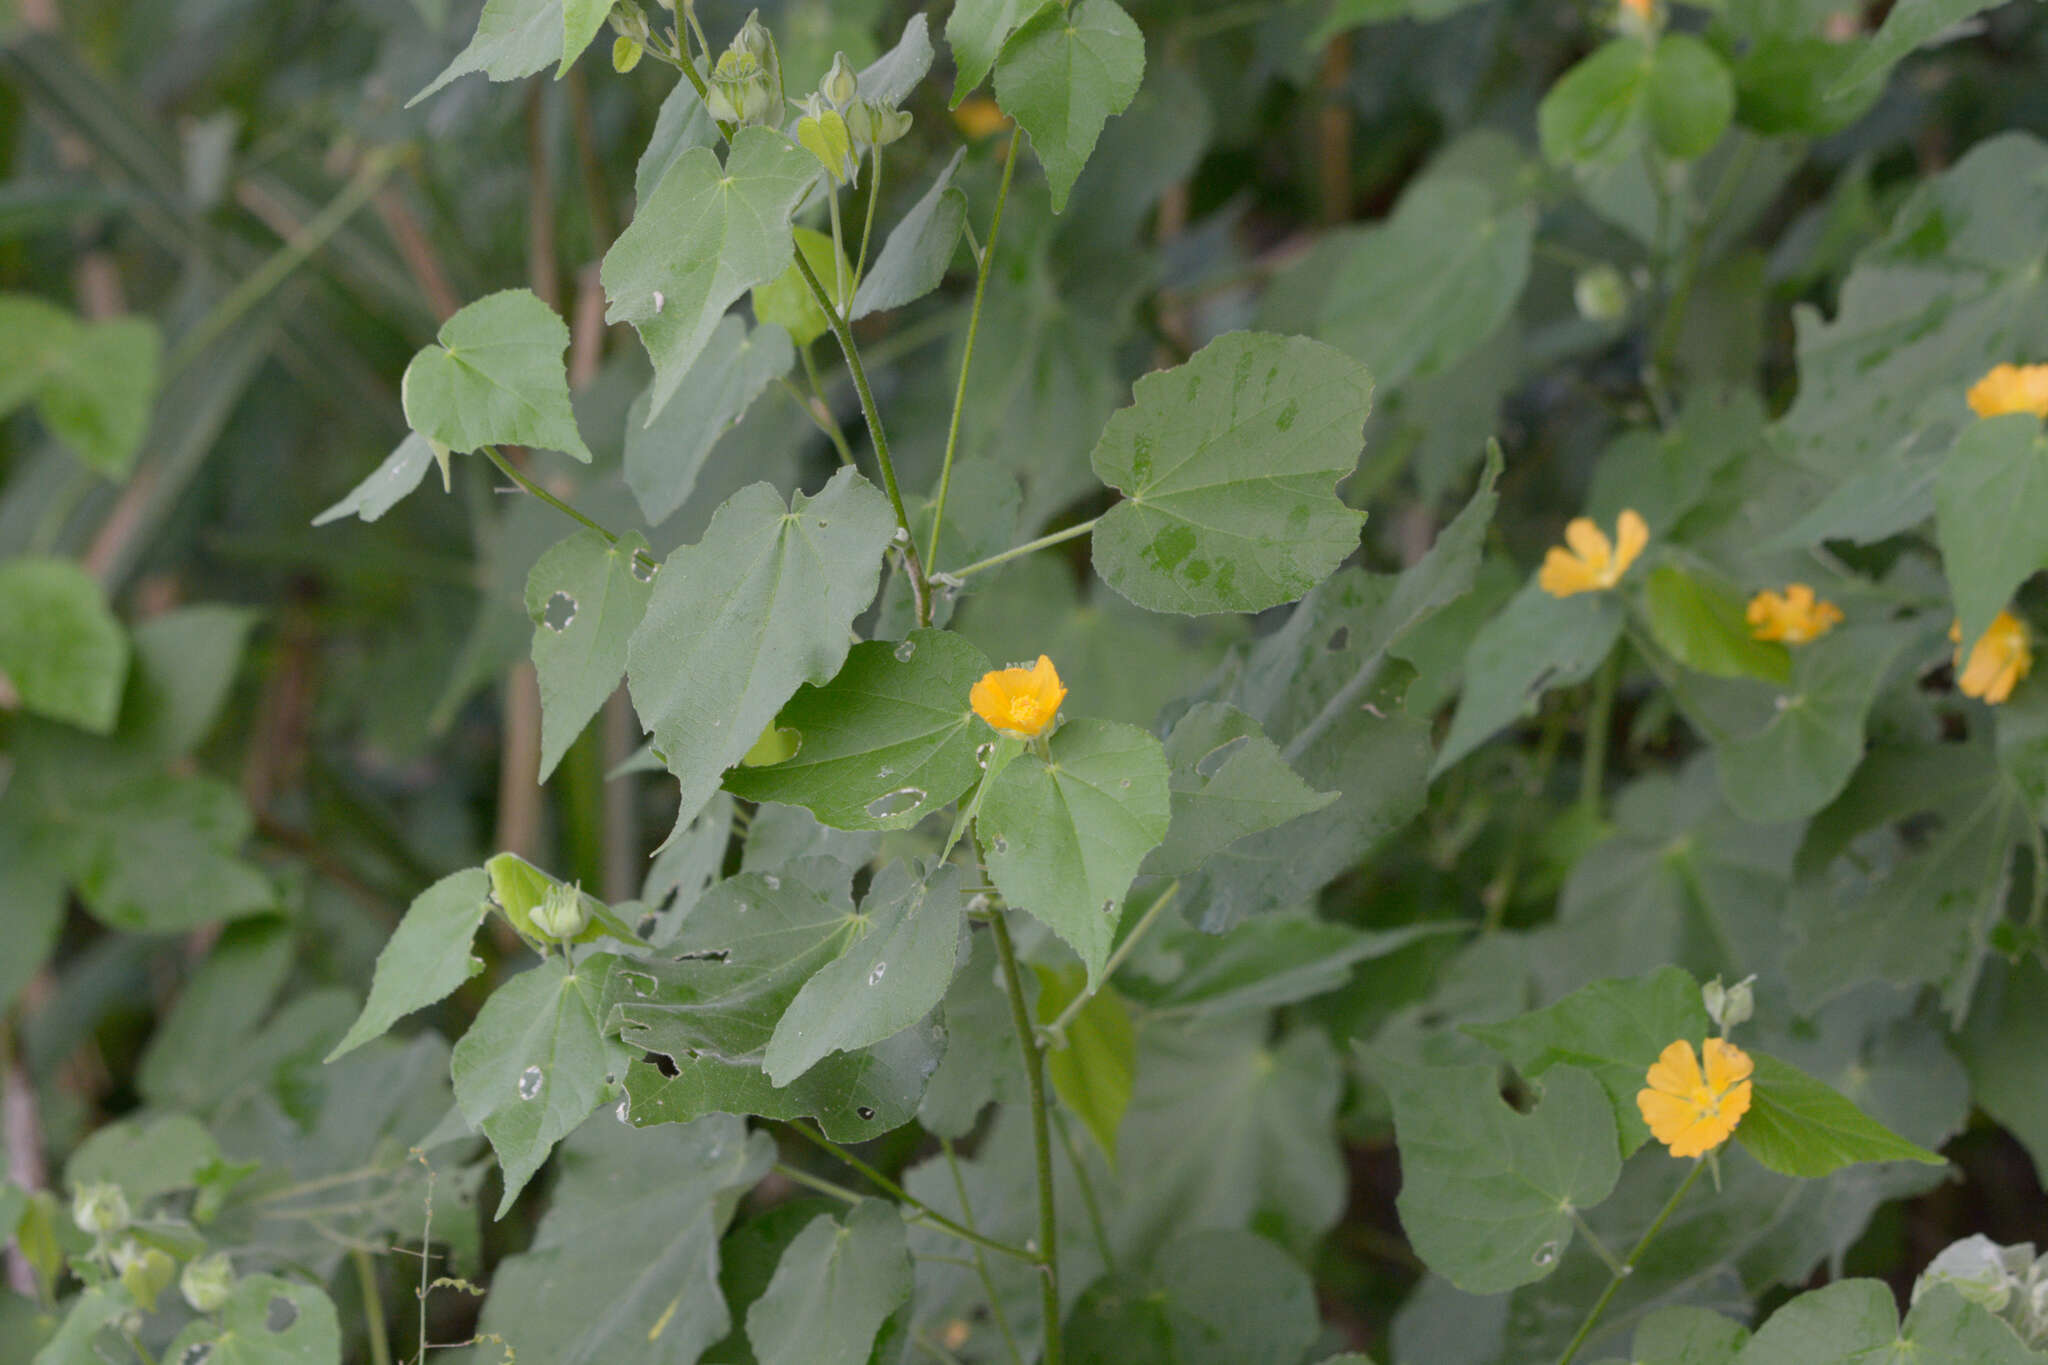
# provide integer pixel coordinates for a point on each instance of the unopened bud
(1729, 1006)
(841, 85)
(146, 1273)
(625, 54)
(208, 1282)
(560, 914)
(1601, 294)
(99, 1208)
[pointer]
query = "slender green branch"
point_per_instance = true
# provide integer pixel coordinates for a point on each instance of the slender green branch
(840, 301)
(920, 588)
(987, 256)
(820, 409)
(519, 476)
(374, 1325)
(1018, 551)
(1664, 352)
(1593, 760)
(898, 1193)
(867, 230)
(1096, 1226)
(1116, 959)
(1628, 1266)
(1041, 1140)
(988, 1284)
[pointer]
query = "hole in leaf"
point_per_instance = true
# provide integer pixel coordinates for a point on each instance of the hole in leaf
(559, 612)
(644, 568)
(899, 802)
(530, 1082)
(1207, 764)
(1339, 638)
(280, 1315)
(864, 1112)
(197, 1354)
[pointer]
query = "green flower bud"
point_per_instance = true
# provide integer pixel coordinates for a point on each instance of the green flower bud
(208, 1282)
(1729, 1006)
(561, 914)
(890, 126)
(876, 125)
(99, 1208)
(755, 40)
(628, 20)
(1601, 294)
(625, 54)
(841, 85)
(146, 1274)
(764, 105)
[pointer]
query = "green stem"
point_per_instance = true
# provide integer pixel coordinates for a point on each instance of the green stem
(821, 409)
(1502, 893)
(374, 1326)
(988, 1284)
(1593, 761)
(867, 230)
(1116, 959)
(1627, 1267)
(1017, 551)
(987, 263)
(1664, 352)
(1080, 1168)
(266, 277)
(897, 1192)
(920, 588)
(518, 476)
(839, 300)
(1041, 1140)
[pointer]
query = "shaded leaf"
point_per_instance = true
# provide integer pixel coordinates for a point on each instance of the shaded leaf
(1062, 74)
(834, 1287)
(1991, 515)
(1228, 781)
(428, 957)
(61, 650)
(586, 597)
(664, 456)
(923, 243)
(495, 377)
(1095, 1056)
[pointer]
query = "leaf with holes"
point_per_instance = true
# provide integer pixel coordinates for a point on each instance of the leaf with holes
(706, 235)
(1062, 74)
(61, 650)
(761, 605)
(586, 597)
(893, 972)
(495, 377)
(834, 1287)
(886, 742)
(1064, 839)
(851, 1096)
(428, 957)
(664, 456)
(267, 1321)
(534, 1064)
(1487, 1193)
(1229, 466)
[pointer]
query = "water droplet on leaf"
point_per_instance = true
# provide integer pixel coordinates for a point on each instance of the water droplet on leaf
(905, 650)
(875, 976)
(899, 802)
(530, 1081)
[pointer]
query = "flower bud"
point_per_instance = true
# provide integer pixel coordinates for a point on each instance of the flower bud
(841, 85)
(1601, 294)
(754, 39)
(1729, 1006)
(625, 54)
(146, 1273)
(99, 1208)
(560, 914)
(762, 102)
(208, 1282)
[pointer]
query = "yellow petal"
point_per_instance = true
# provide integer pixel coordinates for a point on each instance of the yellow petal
(1634, 534)
(1676, 1071)
(1588, 542)
(2011, 388)
(1565, 574)
(1726, 1064)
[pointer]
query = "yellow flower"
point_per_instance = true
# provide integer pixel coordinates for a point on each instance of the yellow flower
(2000, 658)
(1593, 562)
(980, 118)
(2011, 388)
(1689, 1113)
(1795, 615)
(1019, 701)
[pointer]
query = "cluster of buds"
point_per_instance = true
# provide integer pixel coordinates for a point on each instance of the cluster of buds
(839, 127)
(746, 82)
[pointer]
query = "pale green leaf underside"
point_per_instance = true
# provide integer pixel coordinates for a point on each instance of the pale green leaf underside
(516, 38)
(1991, 514)
(585, 596)
(664, 456)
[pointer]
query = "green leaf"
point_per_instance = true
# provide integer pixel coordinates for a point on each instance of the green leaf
(1907, 25)
(1223, 1297)
(1584, 116)
(913, 262)
(1228, 466)
(146, 1157)
(1856, 1322)
(1999, 1048)
(428, 957)
(92, 383)
(893, 972)
(1277, 959)
(786, 300)
(1486, 1192)
(586, 597)
(185, 663)
(1613, 1030)
(515, 38)
(518, 888)
(1682, 1335)
(1797, 1126)
(1804, 753)
(708, 234)
(1690, 98)
(267, 1321)
(220, 1005)
(1064, 839)
(1702, 624)
(976, 30)
(495, 378)
(1061, 75)
(890, 739)
(834, 1287)
(1094, 1060)
(761, 605)
(851, 1096)
(1991, 514)
(981, 1062)
(1228, 781)
(61, 650)
(156, 854)
(1420, 291)
(534, 1064)
(92, 1312)
(387, 484)
(1537, 643)
(664, 456)
(624, 1268)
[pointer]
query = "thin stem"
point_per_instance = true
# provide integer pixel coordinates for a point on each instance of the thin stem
(839, 301)
(798, 1175)
(1607, 1258)
(1018, 551)
(258, 284)
(818, 419)
(374, 1326)
(897, 1192)
(1116, 959)
(1501, 893)
(867, 230)
(1593, 761)
(821, 410)
(518, 476)
(1081, 1177)
(987, 255)
(1628, 1266)
(988, 1284)
(1665, 350)
(1041, 1140)
(920, 588)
